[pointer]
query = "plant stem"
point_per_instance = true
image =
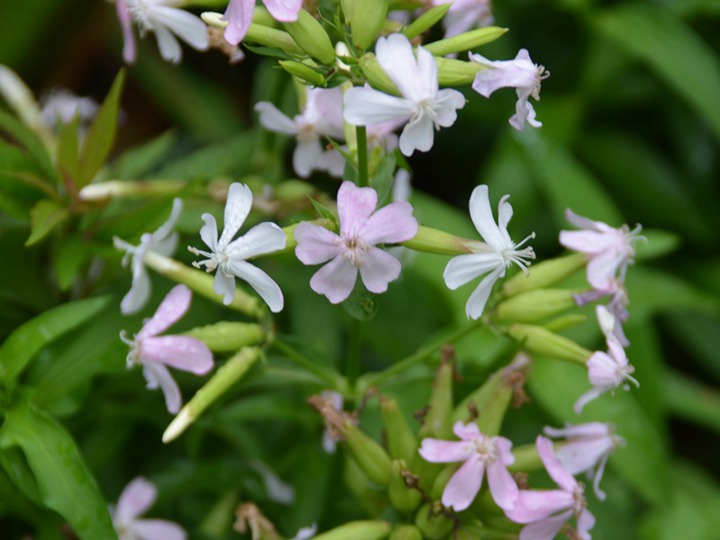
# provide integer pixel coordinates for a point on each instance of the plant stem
(331, 378)
(362, 155)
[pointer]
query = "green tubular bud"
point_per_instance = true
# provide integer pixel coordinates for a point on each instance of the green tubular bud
(436, 241)
(309, 34)
(374, 501)
(539, 340)
(426, 20)
(347, 9)
(226, 376)
(466, 41)
(104, 191)
(406, 532)
(262, 16)
(437, 422)
(227, 336)
(367, 19)
(403, 498)
(303, 72)
(271, 37)
(433, 524)
(453, 72)
(566, 321)
(526, 459)
(401, 440)
(536, 305)
(376, 76)
(544, 274)
(201, 283)
(355, 530)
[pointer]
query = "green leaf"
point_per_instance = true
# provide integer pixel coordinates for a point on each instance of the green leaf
(673, 50)
(16, 467)
(101, 135)
(64, 481)
(67, 153)
(659, 243)
(26, 341)
(382, 180)
(44, 217)
(31, 143)
(323, 210)
(21, 185)
(137, 162)
(72, 253)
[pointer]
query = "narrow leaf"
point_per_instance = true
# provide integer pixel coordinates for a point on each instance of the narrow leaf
(67, 154)
(30, 142)
(44, 217)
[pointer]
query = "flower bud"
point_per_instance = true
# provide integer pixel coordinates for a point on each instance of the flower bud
(436, 241)
(535, 305)
(376, 75)
(466, 41)
(526, 459)
(453, 72)
(347, 9)
(437, 422)
(426, 20)
(433, 524)
(271, 37)
(367, 20)
(401, 440)
(539, 340)
(305, 73)
(406, 532)
(402, 496)
(227, 336)
(544, 274)
(228, 374)
(104, 191)
(309, 34)
(354, 530)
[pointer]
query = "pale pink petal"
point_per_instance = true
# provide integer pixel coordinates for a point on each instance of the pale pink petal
(335, 280)
(181, 352)
(209, 231)
(324, 111)
(139, 292)
(263, 284)
(467, 432)
(546, 529)
(476, 303)
(315, 244)
(391, 224)
(603, 370)
(136, 499)
(355, 205)
(520, 72)
(158, 376)
(585, 522)
(378, 269)
(237, 208)
(588, 429)
(439, 451)
(587, 397)
(239, 16)
(465, 484)
(524, 113)
(159, 529)
(332, 162)
(129, 49)
(168, 45)
(590, 242)
(464, 268)
(224, 285)
(366, 106)
(603, 267)
(597, 476)
(165, 246)
(504, 450)
(188, 27)
(419, 134)
(427, 71)
(584, 223)
(502, 485)
(306, 157)
(395, 55)
(534, 505)
(263, 238)
(272, 119)
(284, 10)
(482, 217)
(556, 471)
(172, 308)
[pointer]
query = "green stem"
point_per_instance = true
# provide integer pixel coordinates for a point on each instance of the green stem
(352, 368)
(362, 154)
(332, 379)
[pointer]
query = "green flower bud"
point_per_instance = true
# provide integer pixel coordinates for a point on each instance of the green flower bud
(566, 321)
(303, 72)
(228, 374)
(401, 440)
(367, 21)
(435, 241)
(347, 9)
(536, 305)
(406, 532)
(541, 341)
(376, 76)
(466, 41)
(453, 72)
(309, 34)
(433, 524)
(426, 20)
(104, 191)
(403, 497)
(354, 530)
(544, 274)
(228, 336)
(271, 37)
(437, 422)
(526, 459)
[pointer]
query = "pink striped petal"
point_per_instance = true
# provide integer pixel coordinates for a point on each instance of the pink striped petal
(335, 280)
(181, 352)
(172, 308)
(355, 205)
(315, 244)
(391, 224)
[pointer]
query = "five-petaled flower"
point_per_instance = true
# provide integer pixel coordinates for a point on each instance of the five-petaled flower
(354, 249)
(520, 74)
(154, 352)
(586, 449)
(166, 21)
(239, 15)
(494, 256)
(163, 241)
(546, 511)
(422, 104)
(136, 499)
(464, 15)
(228, 256)
(479, 453)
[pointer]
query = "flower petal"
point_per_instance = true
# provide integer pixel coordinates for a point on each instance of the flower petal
(419, 134)
(170, 310)
(588, 396)
(464, 268)
(158, 376)
(263, 238)
(129, 48)
(272, 119)
(439, 451)
(482, 217)
(366, 106)
(546, 529)
(263, 284)
(476, 303)
(184, 25)
(355, 205)
(465, 484)
(239, 15)
(315, 244)
(136, 499)
(395, 55)
(378, 269)
(139, 292)
(306, 157)
(237, 208)
(502, 485)
(585, 522)
(535, 505)
(181, 352)
(284, 10)
(335, 280)
(168, 45)
(159, 529)
(556, 471)
(466, 432)
(224, 285)
(209, 232)
(391, 224)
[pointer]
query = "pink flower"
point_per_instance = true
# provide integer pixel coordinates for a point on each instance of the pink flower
(479, 452)
(465, 15)
(137, 497)
(617, 308)
(520, 74)
(155, 352)
(586, 450)
(361, 229)
(546, 511)
(239, 15)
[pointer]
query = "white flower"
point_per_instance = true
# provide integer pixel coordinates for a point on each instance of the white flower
(163, 241)
(465, 15)
(61, 105)
(322, 116)
(519, 73)
(422, 104)
(136, 499)
(494, 257)
(229, 256)
(166, 21)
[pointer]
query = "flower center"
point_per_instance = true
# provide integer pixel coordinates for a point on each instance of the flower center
(307, 133)
(140, 12)
(354, 249)
(485, 447)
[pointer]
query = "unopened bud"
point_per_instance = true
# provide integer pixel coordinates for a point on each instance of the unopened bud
(536, 305)
(435, 241)
(305, 73)
(367, 20)
(227, 336)
(539, 340)
(401, 440)
(426, 21)
(544, 274)
(432, 522)
(406, 532)
(355, 530)
(526, 459)
(309, 34)
(453, 72)
(272, 37)
(437, 422)
(466, 41)
(104, 191)
(376, 75)
(403, 497)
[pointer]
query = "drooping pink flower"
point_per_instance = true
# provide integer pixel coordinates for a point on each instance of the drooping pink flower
(354, 249)
(586, 449)
(617, 307)
(520, 74)
(480, 453)
(136, 499)
(155, 352)
(239, 15)
(464, 15)
(546, 511)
